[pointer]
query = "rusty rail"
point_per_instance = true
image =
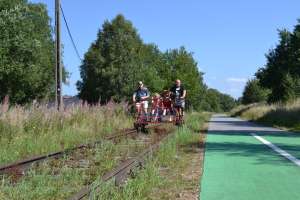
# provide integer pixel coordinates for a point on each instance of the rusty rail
(120, 173)
(23, 165)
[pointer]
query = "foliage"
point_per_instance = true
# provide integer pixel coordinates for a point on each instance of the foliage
(217, 102)
(119, 58)
(38, 130)
(282, 72)
(26, 51)
(114, 64)
(180, 64)
(111, 67)
(253, 92)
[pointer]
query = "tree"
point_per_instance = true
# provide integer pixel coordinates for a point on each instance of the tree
(152, 62)
(254, 93)
(115, 62)
(180, 64)
(227, 102)
(119, 58)
(6, 5)
(282, 72)
(216, 101)
(213, 101)
(289, 87)
(26, 51)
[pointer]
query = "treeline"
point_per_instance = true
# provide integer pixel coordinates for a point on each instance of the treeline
(111, 68)
(279, 79)
(119, 58)
(26, 52)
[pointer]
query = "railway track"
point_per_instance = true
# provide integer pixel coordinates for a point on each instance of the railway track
(123, 170)
(21, 166)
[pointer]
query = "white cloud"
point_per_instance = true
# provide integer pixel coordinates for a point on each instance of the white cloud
(237, 80)
(235, 86)
(234, 90)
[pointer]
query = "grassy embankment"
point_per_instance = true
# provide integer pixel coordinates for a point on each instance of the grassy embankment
(38, 130)
(285, 116)
(31, 131)
(173, 173)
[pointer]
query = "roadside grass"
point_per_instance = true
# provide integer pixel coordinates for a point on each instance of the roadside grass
(164, 176)
(25, 132)
(286, 116)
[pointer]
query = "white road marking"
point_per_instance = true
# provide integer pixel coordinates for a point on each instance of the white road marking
(277, 149)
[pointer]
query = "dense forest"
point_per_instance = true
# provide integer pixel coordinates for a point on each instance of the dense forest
(115, 61)
(279, 79)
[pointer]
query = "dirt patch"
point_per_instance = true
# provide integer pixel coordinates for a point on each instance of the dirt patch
(183, 180)
(192, 173)
(160, 132)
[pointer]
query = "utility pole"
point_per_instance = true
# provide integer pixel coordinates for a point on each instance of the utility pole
(58, 96)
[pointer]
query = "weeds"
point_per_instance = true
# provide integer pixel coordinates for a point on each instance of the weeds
(162, 177)
(41, 130)
(59, 179)
(195, 120)
(38, 130)
(279, 115)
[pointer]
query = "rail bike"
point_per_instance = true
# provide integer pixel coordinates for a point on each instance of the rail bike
(140, 118)
(158, 114)
(178, 107)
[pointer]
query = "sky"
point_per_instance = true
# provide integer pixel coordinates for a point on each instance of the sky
(229, 39)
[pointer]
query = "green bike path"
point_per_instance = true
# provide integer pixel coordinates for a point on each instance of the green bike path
(237, 166)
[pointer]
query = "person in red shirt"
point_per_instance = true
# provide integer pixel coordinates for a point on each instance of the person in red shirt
(167, 104)
(157, 106)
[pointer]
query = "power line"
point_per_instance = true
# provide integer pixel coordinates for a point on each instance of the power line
(70, 34)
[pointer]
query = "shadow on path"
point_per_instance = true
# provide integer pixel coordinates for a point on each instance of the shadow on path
(257, 151)
(260, 133)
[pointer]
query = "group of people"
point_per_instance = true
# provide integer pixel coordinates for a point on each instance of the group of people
(169, 102)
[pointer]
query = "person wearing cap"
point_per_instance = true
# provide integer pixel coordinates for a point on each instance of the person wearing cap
(178, 96)
(140, 97)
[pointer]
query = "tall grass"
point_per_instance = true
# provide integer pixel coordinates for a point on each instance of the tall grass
(62, 178)
(195, 120)
(149, 183)
(31, 131)
(278, 115)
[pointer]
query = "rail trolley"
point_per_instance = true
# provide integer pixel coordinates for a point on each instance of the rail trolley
(161, 113)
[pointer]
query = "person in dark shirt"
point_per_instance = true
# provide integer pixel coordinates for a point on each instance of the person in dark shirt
(178, 96)
(140, 97)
